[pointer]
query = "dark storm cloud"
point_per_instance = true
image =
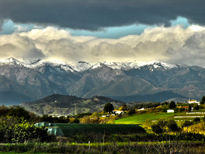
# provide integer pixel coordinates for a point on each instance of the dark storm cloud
(96, 14)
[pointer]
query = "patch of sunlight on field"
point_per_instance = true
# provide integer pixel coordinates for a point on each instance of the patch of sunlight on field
(141, 118)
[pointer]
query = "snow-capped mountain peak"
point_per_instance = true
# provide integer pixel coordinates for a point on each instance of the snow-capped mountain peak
(81, 66)
(133, 65)
(163, 65)
(10, 61)
(84, 66)
(156, 65)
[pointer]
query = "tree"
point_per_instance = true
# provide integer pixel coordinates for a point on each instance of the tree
(203, 100)
(189, 110)
(196, 107)
(108, 107)
(187, 123)
(27, 132)
(172, 125)
(157, 129)
(131, 111)
(162, 123)
(196, 120)
(172, 105)
(123, 108)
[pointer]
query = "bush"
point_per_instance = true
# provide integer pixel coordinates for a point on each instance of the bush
(14, 130)
(196, 120)
(196, 107)
(131, 111)
(172, 125)
(172, 105)
(27, 132)
(187, 123)
(157, 129)
(162, 123)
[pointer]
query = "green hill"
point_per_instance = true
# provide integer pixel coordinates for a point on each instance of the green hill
(62, 105)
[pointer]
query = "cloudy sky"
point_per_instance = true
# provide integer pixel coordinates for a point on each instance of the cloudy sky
(69, 31)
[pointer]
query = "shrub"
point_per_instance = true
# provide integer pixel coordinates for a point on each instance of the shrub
(27, 132)
(172, 105)
(157, 129)
(196, 107)
(11, 130)
(187, 123)
(196, 120)
(162, 123)
(172, 125)
(131, 111)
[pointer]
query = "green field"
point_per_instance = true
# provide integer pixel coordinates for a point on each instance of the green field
(80, 129)
(141, 118)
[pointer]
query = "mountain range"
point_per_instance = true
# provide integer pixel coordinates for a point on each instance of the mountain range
(24, 81)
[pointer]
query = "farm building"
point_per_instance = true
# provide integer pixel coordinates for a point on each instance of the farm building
(192, 101)
(141, 109)
(118, 112)
(170, 111)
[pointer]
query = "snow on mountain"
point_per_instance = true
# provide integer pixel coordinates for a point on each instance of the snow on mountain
(84, 66)
(133, 65)
(157, 66)
(10, 61)
(33, 79)
(122, 65)
(33, 64)
(81, 66)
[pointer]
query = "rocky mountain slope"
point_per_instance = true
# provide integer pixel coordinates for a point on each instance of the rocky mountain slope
(26, 81)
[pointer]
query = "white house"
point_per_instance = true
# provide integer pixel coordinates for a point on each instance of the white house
(192, 101)
(170, 111)
(142, 109)
(118, 112)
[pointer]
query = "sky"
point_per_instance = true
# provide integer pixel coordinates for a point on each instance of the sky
(68, 31)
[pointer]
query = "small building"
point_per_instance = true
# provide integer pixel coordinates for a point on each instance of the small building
(141, 109)
(43, 124)
(170, 111)
(118, 112)
(193, 101)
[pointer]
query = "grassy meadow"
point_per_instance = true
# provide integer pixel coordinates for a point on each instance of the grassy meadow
(141, 118)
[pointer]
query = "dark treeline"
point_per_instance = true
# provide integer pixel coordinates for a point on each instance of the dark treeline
(17, 126)
(20, 113)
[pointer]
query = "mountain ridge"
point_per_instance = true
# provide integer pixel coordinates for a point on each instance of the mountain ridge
(84, 66)
(40, 79)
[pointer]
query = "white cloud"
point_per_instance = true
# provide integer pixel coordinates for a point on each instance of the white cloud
(168, 44)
